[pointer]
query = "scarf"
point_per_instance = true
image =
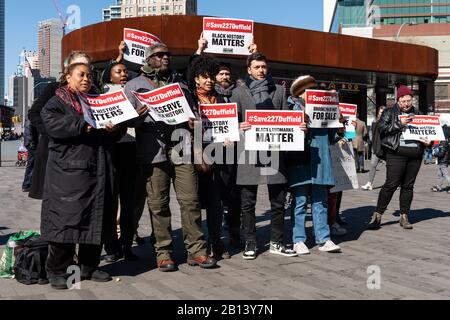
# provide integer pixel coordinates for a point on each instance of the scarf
(260, 91)
(69, 96)
(225, 92)
(160, 79)
(206, 97)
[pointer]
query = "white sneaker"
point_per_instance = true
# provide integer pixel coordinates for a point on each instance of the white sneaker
(337, 230)
(329, 246)
(301, 248)
(367, 186)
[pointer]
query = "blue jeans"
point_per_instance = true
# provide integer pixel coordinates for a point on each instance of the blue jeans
(428, 156)
(317, 195)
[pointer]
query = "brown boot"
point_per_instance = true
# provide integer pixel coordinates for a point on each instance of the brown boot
(404, 222)
(374, 224)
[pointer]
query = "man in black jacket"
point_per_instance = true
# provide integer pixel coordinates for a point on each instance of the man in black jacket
(156, 157)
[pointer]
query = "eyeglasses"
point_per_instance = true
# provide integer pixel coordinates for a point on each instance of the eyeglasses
(161, 54)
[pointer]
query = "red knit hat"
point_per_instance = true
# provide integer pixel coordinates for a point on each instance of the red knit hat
(404, 91)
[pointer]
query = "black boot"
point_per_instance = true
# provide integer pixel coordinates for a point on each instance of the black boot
(58, 283)
(128, 254)
(375, 223)
(404, 222)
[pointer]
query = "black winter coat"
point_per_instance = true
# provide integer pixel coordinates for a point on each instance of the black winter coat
(391, 127)
(34, 114)
(77, 206)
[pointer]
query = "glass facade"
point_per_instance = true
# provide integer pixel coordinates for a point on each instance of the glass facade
(353, 12)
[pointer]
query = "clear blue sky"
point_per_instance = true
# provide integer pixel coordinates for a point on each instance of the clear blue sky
(22, 18)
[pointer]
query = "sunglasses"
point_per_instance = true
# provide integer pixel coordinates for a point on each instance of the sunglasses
(161, 54)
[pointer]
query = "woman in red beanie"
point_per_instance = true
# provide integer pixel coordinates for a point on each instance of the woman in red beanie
(403, 158)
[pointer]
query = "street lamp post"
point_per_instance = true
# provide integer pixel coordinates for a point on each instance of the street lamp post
(401, 27)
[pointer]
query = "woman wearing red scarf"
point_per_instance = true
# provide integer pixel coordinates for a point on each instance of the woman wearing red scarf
(77, 206)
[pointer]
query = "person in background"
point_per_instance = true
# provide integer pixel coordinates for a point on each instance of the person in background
(358, 143)
(375, 160)
(427, 156)
(442, 154)
(31, 138)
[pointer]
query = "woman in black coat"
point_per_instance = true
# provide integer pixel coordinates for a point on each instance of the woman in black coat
(77, 205)
(403, 158)
(34, 115)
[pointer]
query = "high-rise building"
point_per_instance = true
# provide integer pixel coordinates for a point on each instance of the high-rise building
(141, 8)
(113, 12)
(2, 49)
(50, 34)
(424, 22)
(375, 12)
(23, 97)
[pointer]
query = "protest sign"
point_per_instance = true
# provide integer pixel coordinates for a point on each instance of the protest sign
(322, 108)
(167, 104)
(423, 127)
(220, 122)
(228, 36)
(349, 111)
(137, 42)
(344, 168)
(274, 130)
(109, 107)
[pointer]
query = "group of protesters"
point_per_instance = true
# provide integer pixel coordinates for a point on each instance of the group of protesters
(93, 180)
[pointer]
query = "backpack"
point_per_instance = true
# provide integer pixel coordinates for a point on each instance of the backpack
(29, 266)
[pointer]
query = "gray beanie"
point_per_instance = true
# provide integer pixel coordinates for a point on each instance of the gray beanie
(150, 50)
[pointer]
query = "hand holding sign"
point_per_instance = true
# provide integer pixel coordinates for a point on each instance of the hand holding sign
(228, 36)
(245, 126)
(142, 111)
(167, 104)
(111, 128)
(202, 44)
(426, 142)
(406, 120)
(252, 48)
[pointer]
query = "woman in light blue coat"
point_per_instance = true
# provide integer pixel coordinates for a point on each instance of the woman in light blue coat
(310, 174)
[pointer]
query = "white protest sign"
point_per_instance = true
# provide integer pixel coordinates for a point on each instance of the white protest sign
(349, 111)
(423, 127)
(109, 107)
(137, 42)
(322, 107)
(220, 122)
(228, 36)
(274, 130)
(344, 168)
(167, 104)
